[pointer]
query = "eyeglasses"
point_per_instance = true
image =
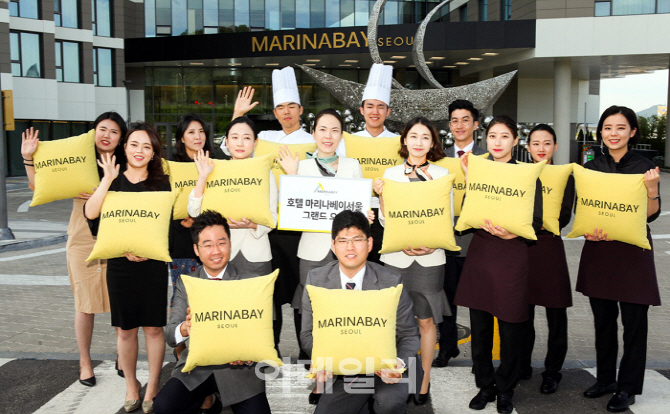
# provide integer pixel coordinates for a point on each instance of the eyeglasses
(210, 246)
(355, 240)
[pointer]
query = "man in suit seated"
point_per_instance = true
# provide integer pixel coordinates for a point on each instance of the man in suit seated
(351, 243)
(237, 383)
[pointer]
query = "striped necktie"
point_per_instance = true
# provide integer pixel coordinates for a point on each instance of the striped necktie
(350, 285)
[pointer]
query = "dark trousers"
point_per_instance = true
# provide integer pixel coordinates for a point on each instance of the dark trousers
(377, 233)
(448, 329)
(175, 398)
(512, 336)
(388, 398)
(633, 361)
(557, 342)
(284, 247)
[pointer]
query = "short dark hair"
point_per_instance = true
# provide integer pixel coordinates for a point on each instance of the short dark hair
(505, 120)
(436, 153)
(464, 104)
(329, 111)
(206, 219)
(350, 219)
(630, 116)
(182, 126)
(542, 127)
(243, 120)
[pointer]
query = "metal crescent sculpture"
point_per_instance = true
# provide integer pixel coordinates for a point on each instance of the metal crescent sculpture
(406, 103)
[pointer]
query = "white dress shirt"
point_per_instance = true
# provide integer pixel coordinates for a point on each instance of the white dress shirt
(357, 279)
(384, 134)
(466, 149)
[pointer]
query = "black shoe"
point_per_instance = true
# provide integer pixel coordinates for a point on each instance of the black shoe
(216, 408)
(620, 402)
(314, 398)
(598, 389)
(504, 404)
(481, 399)
(421, 399)
(526, 373)
(119, 372)
(443, 358)
(89, 382)
(550, 384)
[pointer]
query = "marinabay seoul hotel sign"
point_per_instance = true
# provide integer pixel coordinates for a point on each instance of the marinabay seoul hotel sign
(323, 41)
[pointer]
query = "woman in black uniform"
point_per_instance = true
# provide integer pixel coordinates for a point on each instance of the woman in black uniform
(619, 276)
(494, 282)
(548, 276)
(137, 285)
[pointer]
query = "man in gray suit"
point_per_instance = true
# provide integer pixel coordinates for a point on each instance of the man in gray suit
(351, 243)
(463, 122)
(237, 382)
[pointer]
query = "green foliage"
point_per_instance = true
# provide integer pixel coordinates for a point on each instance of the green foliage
(652, 131)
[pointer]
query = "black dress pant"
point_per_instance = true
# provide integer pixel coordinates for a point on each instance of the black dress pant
(377, 233)
(175, 398)
(388, 398)
(512, 336)
(284, 247)
(557, 341)
(448, 328)
(635, 327)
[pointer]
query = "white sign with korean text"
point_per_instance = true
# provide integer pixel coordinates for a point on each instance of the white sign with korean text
(311, 203)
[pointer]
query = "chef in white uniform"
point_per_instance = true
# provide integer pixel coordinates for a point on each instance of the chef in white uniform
(376, 100)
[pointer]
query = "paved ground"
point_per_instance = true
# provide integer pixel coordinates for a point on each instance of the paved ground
(39, 350)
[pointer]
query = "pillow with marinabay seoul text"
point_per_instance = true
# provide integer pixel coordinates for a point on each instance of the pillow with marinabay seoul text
(614, 203)
(374, 154)
(183, 177)
(501, 192)
(354, 330)
(231, 320)
(134, 222)
(64, 168)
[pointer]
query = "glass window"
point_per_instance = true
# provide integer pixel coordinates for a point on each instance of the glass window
(66, 13)
(68, 67)
(603, 8)
(150, 18)
(242, 13)
(317, 16)
(333, 13)
(194, 17)
(663, 6)
(257, 14)
(627, 7)
(347, 9)
(226, 14)
(362, 12)
(210, 13)
(391, 12)
(463, 13)
(24, 8)
(179, 16)
(287, 14)
(505, 9)
(272, 16)
(163, 13)
(102, 17)
(103, 67)
(302, 14)
(26, 54)
(483, 10)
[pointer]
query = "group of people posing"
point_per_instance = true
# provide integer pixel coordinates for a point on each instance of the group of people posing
(496, 274)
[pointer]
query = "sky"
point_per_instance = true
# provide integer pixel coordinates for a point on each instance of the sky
(637, 92)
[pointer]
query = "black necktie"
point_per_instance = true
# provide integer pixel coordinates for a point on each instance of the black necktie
(460, 153)
(350, 285)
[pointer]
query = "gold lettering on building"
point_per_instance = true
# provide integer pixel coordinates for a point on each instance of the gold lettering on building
(314, 41)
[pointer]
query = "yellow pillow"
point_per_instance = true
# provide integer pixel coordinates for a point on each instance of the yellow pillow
(554, 179)
(418, 214)
(454, 166)
(231, 320)
(501, 192)
(374, 154)
(183, 176)
(354, 330)
(615, 203)
(241, 189)
(64, 168)
(272, 148)
(135, 222)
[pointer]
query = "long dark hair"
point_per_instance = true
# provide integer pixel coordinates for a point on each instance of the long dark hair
(505, 120)
(243, 120)
(630, 116)
(155, 175)
(436, 153)
(118, 119)
(180, 154)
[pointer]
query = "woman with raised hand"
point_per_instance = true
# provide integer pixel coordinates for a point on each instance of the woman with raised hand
(88, 280)
(548, 276)
(314, 249)
(137, 285)
(421, 268)
(494, 283)
(619, 277)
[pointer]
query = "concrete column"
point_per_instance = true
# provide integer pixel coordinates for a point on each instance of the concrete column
(667, 127)
(562, 95)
